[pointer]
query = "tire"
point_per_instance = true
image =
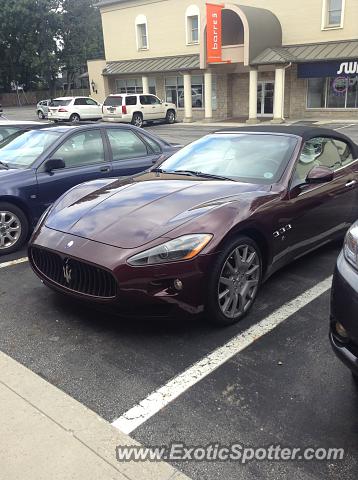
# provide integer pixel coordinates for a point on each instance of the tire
(170, 117)
(230, 295)
(75, 118)
(8, 211)
(137, 120)
(40, 115)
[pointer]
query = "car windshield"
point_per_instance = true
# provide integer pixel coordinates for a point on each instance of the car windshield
(60, 103)
(23, 150)
(113, 102)
(246, 157)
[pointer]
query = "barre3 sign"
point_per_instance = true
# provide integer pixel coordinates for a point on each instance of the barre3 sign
(349, 68)
(213, 33)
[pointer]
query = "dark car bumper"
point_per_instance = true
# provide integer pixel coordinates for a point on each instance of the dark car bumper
(344, 309)
(149, 290)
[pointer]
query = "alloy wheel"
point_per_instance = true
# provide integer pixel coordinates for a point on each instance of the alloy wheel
(171, 117)
(138, 121)
(239, 281)
(10, 229)
(75, 118)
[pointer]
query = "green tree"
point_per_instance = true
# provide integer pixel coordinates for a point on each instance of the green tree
(81, 35)
(29, 46)
(39, 38)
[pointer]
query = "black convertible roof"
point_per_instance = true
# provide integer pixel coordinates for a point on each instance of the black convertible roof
(305, 132)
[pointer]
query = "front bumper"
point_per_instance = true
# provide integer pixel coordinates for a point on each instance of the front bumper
(150, 288)
(344, 309)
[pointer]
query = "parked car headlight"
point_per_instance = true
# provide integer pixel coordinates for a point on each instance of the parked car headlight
(350, 247)
(182, 248)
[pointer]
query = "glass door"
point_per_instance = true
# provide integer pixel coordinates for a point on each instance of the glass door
(265, 93)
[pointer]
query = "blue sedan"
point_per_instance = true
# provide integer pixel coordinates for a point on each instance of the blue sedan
(38, 166)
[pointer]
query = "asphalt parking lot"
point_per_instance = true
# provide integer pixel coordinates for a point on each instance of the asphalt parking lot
(285, 388)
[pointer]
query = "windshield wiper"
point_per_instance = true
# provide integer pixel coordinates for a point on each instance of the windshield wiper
(4, 165)
(201, 174)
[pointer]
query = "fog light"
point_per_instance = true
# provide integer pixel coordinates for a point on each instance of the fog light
(342, 332)
(178, 284)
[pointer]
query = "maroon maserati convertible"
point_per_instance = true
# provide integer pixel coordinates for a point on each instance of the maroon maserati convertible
(201, 230)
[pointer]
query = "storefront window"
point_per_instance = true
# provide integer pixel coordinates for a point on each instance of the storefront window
(333, 92)
(134, 85)
(316, 93)
(174, 91)
(352, 94)
(336, 92)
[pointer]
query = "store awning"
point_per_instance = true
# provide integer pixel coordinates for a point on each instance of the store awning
(315, 52)
(153, 65)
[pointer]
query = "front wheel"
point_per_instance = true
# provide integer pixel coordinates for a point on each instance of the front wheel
(170, 118)
(75, 118)
(40, 115)
(234, 282)
(14, 228)
(137, 120)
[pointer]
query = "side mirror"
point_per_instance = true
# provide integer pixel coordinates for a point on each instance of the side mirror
(319, 174)
(54, 164)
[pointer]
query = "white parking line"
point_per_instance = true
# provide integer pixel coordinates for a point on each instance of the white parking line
(160, 398)
(13, 262)
(345, 126)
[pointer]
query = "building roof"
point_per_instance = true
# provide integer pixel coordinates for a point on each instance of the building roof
(151, 65)
(313, 52)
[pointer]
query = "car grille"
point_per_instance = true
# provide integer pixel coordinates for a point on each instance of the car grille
(73, 274)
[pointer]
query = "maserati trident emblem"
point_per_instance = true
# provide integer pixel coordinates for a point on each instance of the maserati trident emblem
(67, 272)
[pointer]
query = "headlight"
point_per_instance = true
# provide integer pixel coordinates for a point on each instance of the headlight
(350, 247)
(182, 248)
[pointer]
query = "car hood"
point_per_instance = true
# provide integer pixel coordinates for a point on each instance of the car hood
(12, 172)
(129, 214)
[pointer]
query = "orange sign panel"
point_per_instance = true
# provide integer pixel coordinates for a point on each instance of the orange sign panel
(213, 33)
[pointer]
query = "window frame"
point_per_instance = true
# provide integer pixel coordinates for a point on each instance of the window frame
(325, 16)
(83, 132)
(112, 159)
(191, 11)
(140, 21)
(295, 181)
(179, 88)
(326, 96)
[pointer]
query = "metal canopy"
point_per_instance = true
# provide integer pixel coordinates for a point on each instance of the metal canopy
(153, 65)
(315, 52)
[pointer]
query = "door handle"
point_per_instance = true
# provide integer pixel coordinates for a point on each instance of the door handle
(351, 183)
(104, 169)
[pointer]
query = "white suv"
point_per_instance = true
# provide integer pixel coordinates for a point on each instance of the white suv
(74, 109)
(137, 108)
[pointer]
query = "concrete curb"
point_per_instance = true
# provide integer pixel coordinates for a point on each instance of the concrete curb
(47, 434)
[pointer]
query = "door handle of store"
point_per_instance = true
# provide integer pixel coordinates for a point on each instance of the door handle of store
(351, 183)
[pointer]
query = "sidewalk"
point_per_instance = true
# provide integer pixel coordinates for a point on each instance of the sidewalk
(45, 434)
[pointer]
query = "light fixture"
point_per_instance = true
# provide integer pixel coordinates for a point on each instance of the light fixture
(93, 85)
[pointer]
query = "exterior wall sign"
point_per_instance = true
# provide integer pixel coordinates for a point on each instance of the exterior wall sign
(327, 69)
(213, 33)
(349, 68)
